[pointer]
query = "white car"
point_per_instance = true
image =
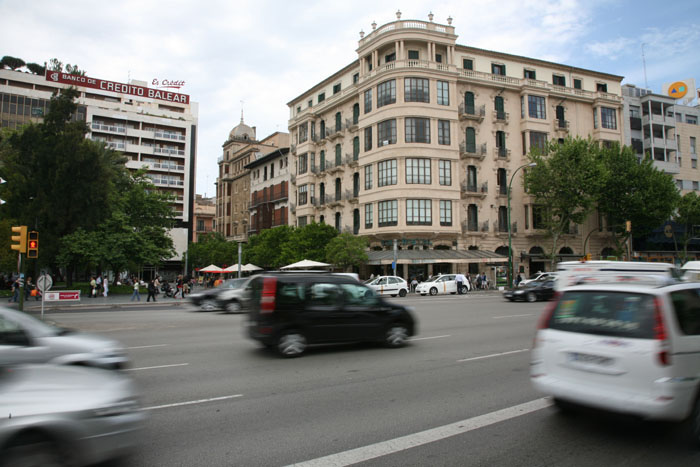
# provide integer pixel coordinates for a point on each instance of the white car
(389, 285)
(442, 284)
(631, 349)
(540, 276)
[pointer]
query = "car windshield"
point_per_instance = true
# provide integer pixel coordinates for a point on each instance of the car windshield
(35, 327)
(371, 281)
(534, 276)
(234, 283)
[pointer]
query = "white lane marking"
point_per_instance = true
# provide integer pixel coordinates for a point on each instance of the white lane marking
(492, 355)
(403, 443)
(146, 346)
(154, 367)
(426, 338)
(513, 316)
(200, 401)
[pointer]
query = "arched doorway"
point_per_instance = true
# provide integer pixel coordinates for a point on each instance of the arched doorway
(607, 251)
(473, 267)
(537, 263)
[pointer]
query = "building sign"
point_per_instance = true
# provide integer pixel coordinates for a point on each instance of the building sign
(167, 84)
(680, 90)
(104, 85)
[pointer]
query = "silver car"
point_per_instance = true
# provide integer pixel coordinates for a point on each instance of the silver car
(25, 339)
(64, 415)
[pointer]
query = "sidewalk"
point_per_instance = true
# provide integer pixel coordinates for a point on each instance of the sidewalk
(111, 301)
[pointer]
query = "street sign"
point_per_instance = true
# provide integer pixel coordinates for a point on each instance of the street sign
(66, 296)
(44, 283)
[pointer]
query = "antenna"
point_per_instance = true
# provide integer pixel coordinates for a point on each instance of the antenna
(644, 62)
(241, 111)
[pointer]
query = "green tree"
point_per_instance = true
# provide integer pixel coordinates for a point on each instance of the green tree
(11, 62)
(36, 69)
(308, 242)
(688, 215)
(212, 248)
(564, 184)
(633, 190)
(270, 249)
(347, 250)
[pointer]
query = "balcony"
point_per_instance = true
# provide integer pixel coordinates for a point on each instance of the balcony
(658, 119)
(169, 151)
(169, 135)
(474, 190)
(500, 117)
(350, 160)
(350, 125)
(561, 125)
(292, 208)
(502, 153)
(485, 226)
(332, 134)
(472, 228)
(116, 145)
(661, 143)
(352, 196)
(472, 112)
(467, 151)
(108, 128)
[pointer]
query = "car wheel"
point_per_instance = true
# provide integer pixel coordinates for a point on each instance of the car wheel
(208, 305)
(433, 291)
(465, 289)
(33, 450)
(693, 423)
(402, 293)
(233, 306)
(531, 297)
(291, 344)
(396, 335)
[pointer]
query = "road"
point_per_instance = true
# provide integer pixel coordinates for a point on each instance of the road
(458, 395)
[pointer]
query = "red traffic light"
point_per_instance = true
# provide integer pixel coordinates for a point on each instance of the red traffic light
(33, 244)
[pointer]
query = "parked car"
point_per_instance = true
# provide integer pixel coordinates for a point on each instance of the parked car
(25, 339)
(66, 415)
(289, 311)
(389, 285)
(540, 276)
(226, 296)
(442, 284)
(532, 292)
(623, 347)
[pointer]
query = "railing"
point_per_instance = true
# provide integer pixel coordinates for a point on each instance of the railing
(475, 187)
(115, 144)
(503, 152)
(112, 128)
(485, 226)
(173, 151)
(350, 159)
(561, 124)
(412, 24)
(476, 150)
(160, 165)
(500, 116)
(472, 111)
(169, 135)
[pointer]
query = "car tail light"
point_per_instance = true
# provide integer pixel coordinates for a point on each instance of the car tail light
(543, 323)
(660, 332)
(267, 299)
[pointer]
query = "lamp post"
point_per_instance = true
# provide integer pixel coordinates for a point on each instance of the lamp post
(510, 241)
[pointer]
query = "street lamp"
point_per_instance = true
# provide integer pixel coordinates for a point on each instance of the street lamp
(510, 247)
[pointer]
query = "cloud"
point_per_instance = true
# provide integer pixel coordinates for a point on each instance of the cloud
(612, 49)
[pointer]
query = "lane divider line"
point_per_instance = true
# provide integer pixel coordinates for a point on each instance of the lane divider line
(146, 346)
(200, 401)
(493, 355)
(392, 446)
(154, 367)
(426, 338)
(513, 316)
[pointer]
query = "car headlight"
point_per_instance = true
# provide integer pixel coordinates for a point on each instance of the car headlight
(122, 407)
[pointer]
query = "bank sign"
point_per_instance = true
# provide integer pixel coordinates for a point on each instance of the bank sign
(104, 85)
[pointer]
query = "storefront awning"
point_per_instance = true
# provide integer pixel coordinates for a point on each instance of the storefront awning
(435, 256)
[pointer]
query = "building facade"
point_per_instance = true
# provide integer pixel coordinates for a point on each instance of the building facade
(204, 217)
(417, 141)
(233, 183)
(269, 190)
(153, 128)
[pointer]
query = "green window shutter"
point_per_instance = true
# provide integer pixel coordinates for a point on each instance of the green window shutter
(322, 161)
(471, 140)
(469, 103)
(338, 156)
(338, 124)
(355, 148)
(355, 113)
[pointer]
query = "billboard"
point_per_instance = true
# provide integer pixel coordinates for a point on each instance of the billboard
(104, 85)
(682, 90)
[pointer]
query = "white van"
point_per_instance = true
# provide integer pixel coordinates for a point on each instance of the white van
(691, 271)
(592, 272)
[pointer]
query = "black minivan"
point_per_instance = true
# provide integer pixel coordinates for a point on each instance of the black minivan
(291, 310)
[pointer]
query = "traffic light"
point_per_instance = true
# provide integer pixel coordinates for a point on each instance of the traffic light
(20, 236)
(33, 244)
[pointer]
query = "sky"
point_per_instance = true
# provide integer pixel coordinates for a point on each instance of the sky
(254, 56)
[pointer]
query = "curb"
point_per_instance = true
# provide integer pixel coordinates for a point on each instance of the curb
(78, 306)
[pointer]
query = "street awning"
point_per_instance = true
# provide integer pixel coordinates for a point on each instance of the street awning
(435, 256)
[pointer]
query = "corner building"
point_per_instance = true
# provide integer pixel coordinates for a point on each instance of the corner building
(417, 140)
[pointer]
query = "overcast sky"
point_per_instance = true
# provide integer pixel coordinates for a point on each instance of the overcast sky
(264, 53)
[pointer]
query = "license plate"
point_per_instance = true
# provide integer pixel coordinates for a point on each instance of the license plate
(590, 359)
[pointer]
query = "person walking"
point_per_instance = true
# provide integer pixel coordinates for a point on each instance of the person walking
(460, 280)
(151, 290)
(178, 287)
(93, 287)
(156, 284)
(105, 287)
(15, 291)
(98, 283)
(136, 294)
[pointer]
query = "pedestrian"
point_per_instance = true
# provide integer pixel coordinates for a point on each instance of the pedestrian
(460, 280)
(98, 283)
(93, 287)
(414, 284)
(15, 291)
(178, 287)
(151, 290)
(136, 294)
(478, 281)
(105, 287)
(484, 282)
(156, 284)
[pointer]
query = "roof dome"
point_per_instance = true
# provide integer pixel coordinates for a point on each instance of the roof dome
(242, 131)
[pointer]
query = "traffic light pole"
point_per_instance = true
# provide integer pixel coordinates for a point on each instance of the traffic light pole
(22, 280)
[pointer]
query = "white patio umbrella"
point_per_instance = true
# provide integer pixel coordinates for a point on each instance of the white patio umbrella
(252, 267)
(305, 264)
(211, 268)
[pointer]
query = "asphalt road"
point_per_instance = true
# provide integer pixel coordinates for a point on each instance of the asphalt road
(458, 395)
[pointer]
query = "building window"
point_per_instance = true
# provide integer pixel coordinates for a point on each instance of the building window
(302, 194)
(470, 135)
(608, 118)
(200, 225)
(527, 217)
(338, 155)
(388, 212)
(303, 132)
(416, 90)
(417, 130)
(368, 101)
(386, 93)
(338, 121)
(355, 114)
(438, 58)
(577, 83)
(355, 148)
(336, 88)
(472, 218)
(499, 106)
(501, 144)
(419, 212)
(498, 69)
(444, 132)
(413, 55)
(337, 221)
(355, 78)
(538, 141)
(601, 87)
(418, 171)
(368, 138)
(538, 217)
(445, 172)
(322, 97)
(369, 215)
(386, 132)
(558, 80)
(443, 93)
(529, 74)
(502, 219)
(303, 167)
(467, 63)
(301, 221)
(386, 172)
(692, 145)
(536, 107)
(445, 212)
(368, 177)
(322, 160)
(691, 119)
